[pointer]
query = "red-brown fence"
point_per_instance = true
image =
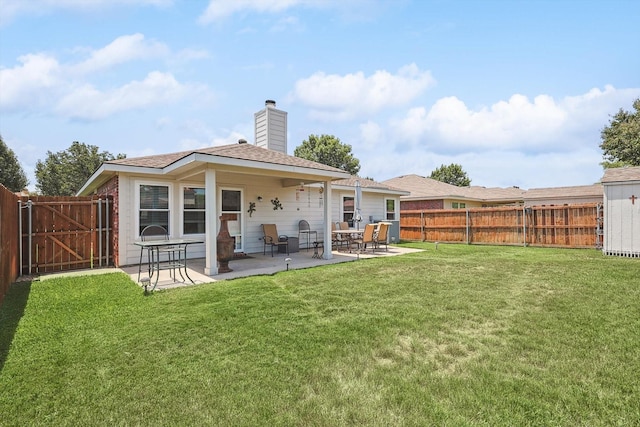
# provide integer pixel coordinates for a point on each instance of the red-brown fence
(65, 233)
(569, 226)
(9, 238)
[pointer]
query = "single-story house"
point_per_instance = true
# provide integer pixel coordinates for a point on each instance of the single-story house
(427, 193)
(575, 195)
(622, 211)
(253, 184)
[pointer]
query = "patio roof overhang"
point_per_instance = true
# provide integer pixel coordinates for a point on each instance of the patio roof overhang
(194, 165)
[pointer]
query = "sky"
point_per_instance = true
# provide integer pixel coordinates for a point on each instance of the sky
(516, 92)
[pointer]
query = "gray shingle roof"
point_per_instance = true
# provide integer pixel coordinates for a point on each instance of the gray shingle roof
(366, 183)
(248, 152)
(594, 190)
(622, 174)
(428, 188)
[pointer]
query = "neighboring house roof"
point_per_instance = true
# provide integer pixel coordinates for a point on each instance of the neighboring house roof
(567, 193)
(368, 185)
(235, 155)
(623, 174)
(422, 188)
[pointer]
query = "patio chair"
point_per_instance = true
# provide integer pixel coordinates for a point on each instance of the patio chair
(382, 235)
(270, 237)
(304, 228)
(367, 238)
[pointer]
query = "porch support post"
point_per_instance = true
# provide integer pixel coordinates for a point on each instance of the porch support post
(327, 220)
(211, 221)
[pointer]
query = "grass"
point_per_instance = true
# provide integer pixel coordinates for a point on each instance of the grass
(465, 335)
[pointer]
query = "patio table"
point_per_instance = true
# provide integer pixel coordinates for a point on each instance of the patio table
(173, 247)
(349, 234)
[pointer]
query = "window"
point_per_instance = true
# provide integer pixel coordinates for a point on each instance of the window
(154, 206)
(456, 205)
(348, 210)
(390, 209)
(193, 219)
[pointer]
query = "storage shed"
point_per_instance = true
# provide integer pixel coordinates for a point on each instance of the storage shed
(622, 212)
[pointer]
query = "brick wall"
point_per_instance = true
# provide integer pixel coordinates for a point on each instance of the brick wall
(110, 188)
(416, 205)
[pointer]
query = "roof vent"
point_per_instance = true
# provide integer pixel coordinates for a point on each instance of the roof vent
(242, 141)
(270, 103)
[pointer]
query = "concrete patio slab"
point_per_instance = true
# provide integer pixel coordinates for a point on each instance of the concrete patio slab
(258, 264)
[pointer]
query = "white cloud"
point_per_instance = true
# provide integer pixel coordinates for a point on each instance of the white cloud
(221, 9)
(333, 96)
(41, 83)
(123, 49)
(351, 10)
(88, 103)
(539, 143)
(517, 124)
(29, 84)
(13, 8)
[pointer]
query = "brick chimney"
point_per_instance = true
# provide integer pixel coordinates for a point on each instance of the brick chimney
(271, 127)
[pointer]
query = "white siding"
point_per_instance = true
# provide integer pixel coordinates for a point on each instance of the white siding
(297, 205)
(622, 219)
(271, 129)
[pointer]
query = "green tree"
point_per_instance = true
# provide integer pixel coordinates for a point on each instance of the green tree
(621, 139)
(328, 150)
(65, 172)
(12, 175)
(452, 174)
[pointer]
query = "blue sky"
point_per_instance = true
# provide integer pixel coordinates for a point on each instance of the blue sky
(516, 92)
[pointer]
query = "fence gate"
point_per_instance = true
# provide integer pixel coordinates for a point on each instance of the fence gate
(65, 233)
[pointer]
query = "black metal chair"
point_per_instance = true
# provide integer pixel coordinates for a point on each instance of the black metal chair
(304, 228)
(158, 232)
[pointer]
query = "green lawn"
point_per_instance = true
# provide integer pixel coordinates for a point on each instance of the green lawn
(465, 335)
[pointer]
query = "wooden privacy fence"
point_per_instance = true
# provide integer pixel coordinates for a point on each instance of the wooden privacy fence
(9, 237)
(569, 226)
(65, 233)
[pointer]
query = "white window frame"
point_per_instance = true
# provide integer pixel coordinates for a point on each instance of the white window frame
(243, 221)
(182, 187)
(395, 209)
(137, 186)
(342, 211)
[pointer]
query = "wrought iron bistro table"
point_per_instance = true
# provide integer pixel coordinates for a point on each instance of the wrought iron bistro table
(176, 260)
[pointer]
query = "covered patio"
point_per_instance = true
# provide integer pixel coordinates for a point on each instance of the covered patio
(258, 264)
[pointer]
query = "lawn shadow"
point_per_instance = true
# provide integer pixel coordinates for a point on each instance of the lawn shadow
(11, 311)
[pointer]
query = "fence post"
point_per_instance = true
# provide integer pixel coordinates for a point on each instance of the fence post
(99, 232)
(422, 225)
(30, 211)
(524, 226)
(20, 235)
(106, 206)
(467, 220)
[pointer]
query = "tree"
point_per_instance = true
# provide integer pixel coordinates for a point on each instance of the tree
(328, 150)
(452, 174)
(65, 172)
(621, 139)
(12, 175)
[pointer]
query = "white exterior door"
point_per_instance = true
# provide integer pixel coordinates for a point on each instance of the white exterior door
(231, 205)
